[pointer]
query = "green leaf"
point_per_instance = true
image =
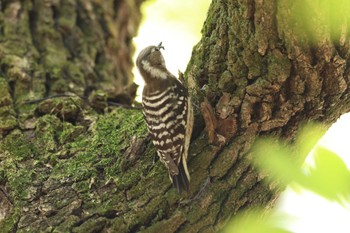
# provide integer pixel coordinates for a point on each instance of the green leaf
(307, 138)
(275, 159)
(329, 177)
(315, 18)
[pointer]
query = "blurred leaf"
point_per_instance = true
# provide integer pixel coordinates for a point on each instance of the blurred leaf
(329, 177)
(318, 19)
(307, 138)
(257, 222)
(275, 159)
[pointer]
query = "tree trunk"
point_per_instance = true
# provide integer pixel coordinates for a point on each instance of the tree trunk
(73, 164)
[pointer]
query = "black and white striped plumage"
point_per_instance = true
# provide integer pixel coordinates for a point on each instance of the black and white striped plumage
(168, 113)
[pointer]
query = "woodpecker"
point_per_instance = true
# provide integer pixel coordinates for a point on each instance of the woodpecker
(168, 113)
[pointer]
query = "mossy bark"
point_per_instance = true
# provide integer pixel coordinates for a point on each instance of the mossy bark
(73, 164)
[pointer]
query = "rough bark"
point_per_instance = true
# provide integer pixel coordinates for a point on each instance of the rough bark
(79, 50)
(68, 166)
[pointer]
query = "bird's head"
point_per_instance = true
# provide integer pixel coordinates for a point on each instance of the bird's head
(150, 62)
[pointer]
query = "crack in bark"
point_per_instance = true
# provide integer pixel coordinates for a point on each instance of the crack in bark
(33, 17)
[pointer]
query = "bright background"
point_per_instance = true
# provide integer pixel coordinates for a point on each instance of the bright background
(177, 23)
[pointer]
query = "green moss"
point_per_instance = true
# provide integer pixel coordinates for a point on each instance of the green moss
(60, 145)
(65, 108)
(70, 132)
(113, 135)
(67, 225)
(155, 178)
(5, 98)
(74, 73)
(47, 128)
(15, 48)
(19, 175)
(68, 15)
(18, 146)
(90, 158)
(2, 175)
(93, 155)
(255, 63)
(108, 206)
(139, 218)
(55, 72)
(168, 224)
(82, 186)
(238, 69)
(20, 181)
(55, 56)
(7, 123)
(279, 67)
(114, 130)
(59, 86)
(76, 168)
(9, 224)
(27, 110)
(15, 66)
(129, 179)
(119, 226)
(92, 225)
(226, 81)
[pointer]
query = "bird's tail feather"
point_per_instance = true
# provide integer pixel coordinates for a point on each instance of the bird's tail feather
(181, 181)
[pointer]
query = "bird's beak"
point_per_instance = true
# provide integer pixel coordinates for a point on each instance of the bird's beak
(160, 46)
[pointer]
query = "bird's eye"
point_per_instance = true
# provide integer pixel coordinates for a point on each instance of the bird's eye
(156, 48)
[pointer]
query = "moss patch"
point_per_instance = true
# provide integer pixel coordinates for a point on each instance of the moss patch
(88, 158)
(7, 114)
